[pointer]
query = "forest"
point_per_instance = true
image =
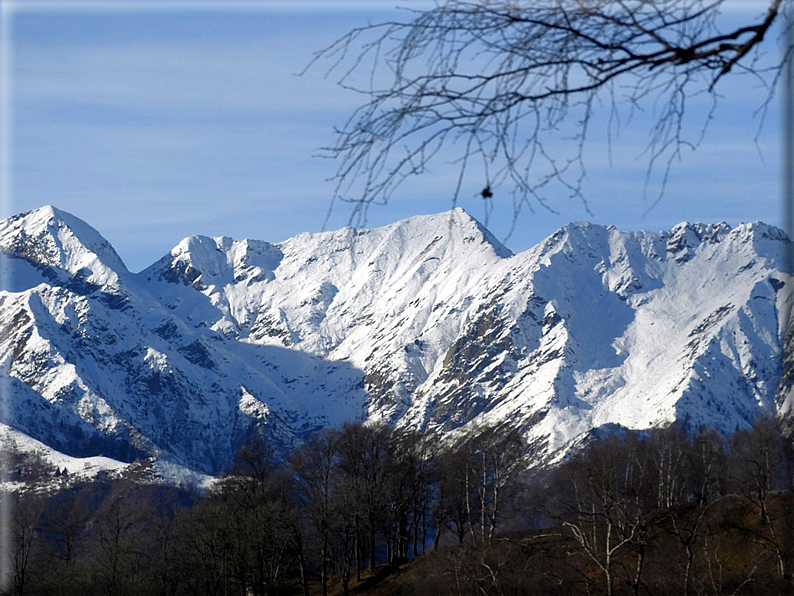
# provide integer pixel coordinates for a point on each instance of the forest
(364, 509)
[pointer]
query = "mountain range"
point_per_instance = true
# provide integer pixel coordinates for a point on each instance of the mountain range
(429, 324)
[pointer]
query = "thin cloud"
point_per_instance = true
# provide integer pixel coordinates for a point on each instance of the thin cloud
(209, 6)
(236, 78)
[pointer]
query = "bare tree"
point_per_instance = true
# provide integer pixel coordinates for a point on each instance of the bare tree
(499, 80)
(118, 555)
(494, 461)
(604, 500)
(760, 477)
(21, 548)
(256, 504)
(455, 494)
(314, 466)
(208, 548)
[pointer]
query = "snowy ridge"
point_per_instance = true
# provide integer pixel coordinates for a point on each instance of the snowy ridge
(426, 323)
(72, 469)
(52, 240)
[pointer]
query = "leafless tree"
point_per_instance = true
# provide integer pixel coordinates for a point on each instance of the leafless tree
(500, 81)
(118, 555)
(605, 501)
(495, 460)
(21, 549)
(454, 495)
(760, 477)
(314, 466)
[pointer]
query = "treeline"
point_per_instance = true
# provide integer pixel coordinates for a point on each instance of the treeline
(652, 513)
(345, 502)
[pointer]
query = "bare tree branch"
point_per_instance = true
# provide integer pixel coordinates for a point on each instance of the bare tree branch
(504, 80)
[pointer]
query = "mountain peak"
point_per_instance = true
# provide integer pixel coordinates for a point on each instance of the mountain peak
(202, 261)
(51, 238)
(457, 224)
(761, 230)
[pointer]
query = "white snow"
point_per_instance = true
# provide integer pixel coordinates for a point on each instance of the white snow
(426, 323)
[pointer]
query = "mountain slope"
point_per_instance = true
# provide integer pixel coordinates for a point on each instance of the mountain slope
(426, 323)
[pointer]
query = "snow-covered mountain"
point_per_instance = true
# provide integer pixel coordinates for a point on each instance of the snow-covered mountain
(428, 323)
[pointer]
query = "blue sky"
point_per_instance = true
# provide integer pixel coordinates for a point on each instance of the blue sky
(153, 124)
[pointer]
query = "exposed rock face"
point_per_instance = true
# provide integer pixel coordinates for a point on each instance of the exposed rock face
(426, 323)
